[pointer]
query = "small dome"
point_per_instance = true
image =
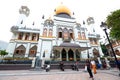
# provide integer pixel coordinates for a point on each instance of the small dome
(49, 22)
(24, 10)
(65, 44)
(62, 9)
(90, 20)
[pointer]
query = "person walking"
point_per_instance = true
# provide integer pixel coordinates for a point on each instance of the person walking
(62, 66)
(88, 64)
(93, 66)
(48, 67)
(76, 66)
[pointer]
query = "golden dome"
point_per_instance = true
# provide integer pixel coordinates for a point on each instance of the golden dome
(62, 9)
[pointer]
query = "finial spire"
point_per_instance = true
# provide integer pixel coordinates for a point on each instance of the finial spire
(33, 23)
(22, 22)
(43, 17)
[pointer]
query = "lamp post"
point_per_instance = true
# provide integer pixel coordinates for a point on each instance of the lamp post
(104, 26)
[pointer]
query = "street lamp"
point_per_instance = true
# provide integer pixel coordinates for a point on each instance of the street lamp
(104, 27)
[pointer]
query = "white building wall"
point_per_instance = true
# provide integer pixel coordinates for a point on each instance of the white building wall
(75, 33)
(41, 30)
(46, 47)
(14, 36)
(59, 41)
(10, 49)
(39, 47)
(27, 49)
(22, 17)
(54, 31)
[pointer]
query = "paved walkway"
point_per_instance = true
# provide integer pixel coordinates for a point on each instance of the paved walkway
(58, 75)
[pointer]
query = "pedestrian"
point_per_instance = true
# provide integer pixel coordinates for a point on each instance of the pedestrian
(76, 66)
(93, 66)
(104, 65)
(48, 67)
(62, 66)
(88, 64)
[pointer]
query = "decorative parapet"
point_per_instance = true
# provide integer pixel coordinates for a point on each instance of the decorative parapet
(98, 35)
(17, 29)
(18, 40)
(14, 28)
(49, 22)
(94, 35)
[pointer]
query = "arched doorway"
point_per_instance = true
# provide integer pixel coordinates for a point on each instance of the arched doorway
(33, 51)
(20, 51)
(71, 55)
(77, 55)
(63, 55)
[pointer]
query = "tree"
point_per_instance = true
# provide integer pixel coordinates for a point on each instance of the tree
(113, 23)
(104, 49)
(3, 53)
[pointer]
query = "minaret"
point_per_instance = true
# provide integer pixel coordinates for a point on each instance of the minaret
(90, 22)
(24, 13)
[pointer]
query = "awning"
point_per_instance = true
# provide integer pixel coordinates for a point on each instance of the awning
(70, 46)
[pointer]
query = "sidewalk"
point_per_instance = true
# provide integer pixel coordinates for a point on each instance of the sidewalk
(57, 75)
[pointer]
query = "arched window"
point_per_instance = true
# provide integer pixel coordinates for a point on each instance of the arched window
(64, 55)
(59, 33)
(65, 34)
(27, 36)
(33, 36)
(71, 33)
(20, 36)
(79, 35)
(77, 55)
(50, 33)
(83, 35)
(45, 32)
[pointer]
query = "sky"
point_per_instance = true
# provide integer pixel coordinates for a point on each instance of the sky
(98, 9)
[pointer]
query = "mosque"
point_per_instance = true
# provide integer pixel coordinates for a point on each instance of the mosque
(61, 37)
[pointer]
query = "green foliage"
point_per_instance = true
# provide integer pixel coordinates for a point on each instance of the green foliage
(3, 52)
(113, 22)
(104, 49)
(16, 58)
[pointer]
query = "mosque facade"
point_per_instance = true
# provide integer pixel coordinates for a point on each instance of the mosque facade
(61, 37)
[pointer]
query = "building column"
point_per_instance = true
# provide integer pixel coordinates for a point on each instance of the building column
(11, 49)
(60, 55)
(27, 50)
(30, 37)
(74, 56)
(67, 55)
(80, 55)
(24, 34)
(39, 48)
